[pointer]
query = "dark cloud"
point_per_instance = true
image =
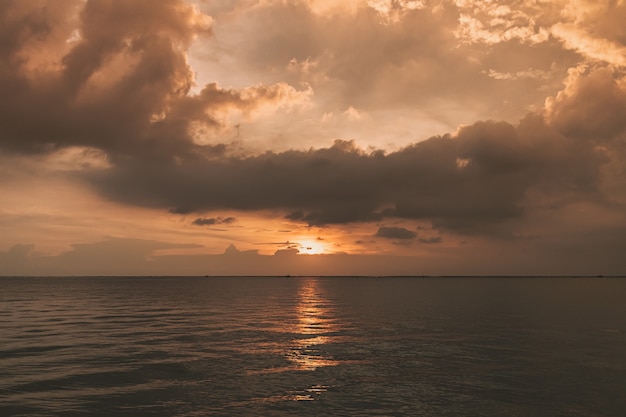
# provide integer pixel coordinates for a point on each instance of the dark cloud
(468, 182)
(213, 221)
(395, 233)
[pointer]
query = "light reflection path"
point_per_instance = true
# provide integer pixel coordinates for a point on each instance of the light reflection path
(313, 325)
(316, 325)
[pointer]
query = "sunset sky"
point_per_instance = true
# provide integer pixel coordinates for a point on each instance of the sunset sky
(378, 137)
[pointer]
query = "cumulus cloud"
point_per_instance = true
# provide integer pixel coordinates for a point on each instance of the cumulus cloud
(121, 83)
(592, 104)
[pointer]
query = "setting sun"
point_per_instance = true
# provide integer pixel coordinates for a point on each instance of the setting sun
(311, 247)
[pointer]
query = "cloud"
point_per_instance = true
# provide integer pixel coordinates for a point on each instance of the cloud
(395, 233)
(595, 48)
(591, 105)
(404, 64)
(118, 77)
(342, 184)
(97, 74)
(415, 52)
(213, 221)
(121, 83)
(112, 83)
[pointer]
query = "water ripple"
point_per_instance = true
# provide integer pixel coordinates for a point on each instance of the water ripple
(311, 346)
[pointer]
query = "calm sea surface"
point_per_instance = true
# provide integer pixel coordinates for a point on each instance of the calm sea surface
(312, 347)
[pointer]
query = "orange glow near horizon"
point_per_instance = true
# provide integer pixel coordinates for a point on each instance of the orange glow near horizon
(311, 246)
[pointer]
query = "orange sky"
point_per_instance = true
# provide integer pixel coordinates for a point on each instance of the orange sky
(317, 137)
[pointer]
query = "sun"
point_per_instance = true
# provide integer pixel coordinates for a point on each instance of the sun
(311, 247)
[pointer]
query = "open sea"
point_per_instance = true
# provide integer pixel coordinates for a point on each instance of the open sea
(306, 346)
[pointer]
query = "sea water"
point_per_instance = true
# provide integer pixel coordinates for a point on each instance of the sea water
(307, 346)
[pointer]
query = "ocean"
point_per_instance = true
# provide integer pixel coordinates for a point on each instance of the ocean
(311, 346)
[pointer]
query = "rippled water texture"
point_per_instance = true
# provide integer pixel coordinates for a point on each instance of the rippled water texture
(312, 346)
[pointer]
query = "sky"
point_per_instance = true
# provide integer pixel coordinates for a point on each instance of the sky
(313, 137)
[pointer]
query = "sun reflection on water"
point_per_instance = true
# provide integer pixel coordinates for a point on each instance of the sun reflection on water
(316, 325)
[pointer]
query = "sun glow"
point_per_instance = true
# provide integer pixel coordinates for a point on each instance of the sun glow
(311, 246)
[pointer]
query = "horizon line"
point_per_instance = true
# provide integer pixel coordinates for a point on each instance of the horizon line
(320, 276)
